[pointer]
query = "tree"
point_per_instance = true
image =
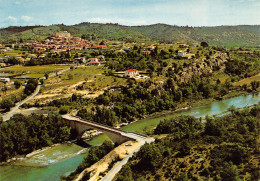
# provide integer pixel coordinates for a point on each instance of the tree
(46, 76)
(229, 172)
(7, 103)
(126, 174)
(102, 42)
(30, 86)
(64, 109)
(178, 96)
(41, 81)
(204, 44)
(185, 148)
(17, 84)
(70, 76)
(255, 84)
(150, 156)
(4, 89)
(232, 109)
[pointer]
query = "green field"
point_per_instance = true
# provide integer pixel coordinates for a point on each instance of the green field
(40, 69)
(13, 53)
(92, 74)
(31, 76)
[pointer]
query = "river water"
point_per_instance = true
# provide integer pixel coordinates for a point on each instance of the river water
(26, 171)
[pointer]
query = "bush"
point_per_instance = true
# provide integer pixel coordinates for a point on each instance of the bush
(7, 103)
(17, 84)
(64, 109)
(30, 86)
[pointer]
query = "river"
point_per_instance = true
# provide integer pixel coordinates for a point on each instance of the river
(53, 172)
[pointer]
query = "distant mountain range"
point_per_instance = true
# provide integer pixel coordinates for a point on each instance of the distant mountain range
(230, 36)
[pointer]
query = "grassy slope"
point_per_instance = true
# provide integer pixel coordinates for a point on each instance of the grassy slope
(247, 80)
(33, 69)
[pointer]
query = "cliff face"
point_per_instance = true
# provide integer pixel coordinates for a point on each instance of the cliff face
(205, 67)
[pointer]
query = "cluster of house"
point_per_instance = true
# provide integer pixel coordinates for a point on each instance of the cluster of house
(95, 61)
(4, 49)
(147, 50)
(62, 41)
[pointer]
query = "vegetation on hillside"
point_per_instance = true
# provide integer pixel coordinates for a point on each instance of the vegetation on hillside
(164, 91)
(224, 148)
(230, 36)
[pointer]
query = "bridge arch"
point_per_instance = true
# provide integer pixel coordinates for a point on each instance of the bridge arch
(117, 136)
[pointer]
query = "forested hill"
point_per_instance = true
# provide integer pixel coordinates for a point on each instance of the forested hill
(243, 35)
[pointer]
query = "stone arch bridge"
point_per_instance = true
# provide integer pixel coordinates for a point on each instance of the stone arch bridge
(116, 135)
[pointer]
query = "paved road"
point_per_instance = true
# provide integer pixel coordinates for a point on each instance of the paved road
(111, 174)
(9, 114)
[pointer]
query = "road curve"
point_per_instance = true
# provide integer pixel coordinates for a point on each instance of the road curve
(9, 114)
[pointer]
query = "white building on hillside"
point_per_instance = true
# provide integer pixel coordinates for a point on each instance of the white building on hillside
(131, 73)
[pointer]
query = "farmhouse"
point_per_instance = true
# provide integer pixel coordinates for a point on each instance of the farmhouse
(80, 60)
(181, 53)
(131, 73)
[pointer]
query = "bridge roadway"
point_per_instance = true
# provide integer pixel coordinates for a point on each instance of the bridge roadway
(116, 135)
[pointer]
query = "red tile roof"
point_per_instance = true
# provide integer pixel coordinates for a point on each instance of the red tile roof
(132, 70)
(94, 62)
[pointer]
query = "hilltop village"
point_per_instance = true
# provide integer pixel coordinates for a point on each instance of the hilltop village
(63, 44)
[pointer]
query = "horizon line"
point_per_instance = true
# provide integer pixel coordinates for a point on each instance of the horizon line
(128, 25)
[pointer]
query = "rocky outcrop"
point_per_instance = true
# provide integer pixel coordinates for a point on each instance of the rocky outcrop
(206, 66)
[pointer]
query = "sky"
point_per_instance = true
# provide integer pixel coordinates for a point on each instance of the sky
(130, 12)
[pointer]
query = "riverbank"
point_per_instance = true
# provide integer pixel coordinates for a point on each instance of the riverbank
(200, 109)
(29, 155)
(197, 103)
(47, 155)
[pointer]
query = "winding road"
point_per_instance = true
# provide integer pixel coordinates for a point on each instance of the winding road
(12, 111)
